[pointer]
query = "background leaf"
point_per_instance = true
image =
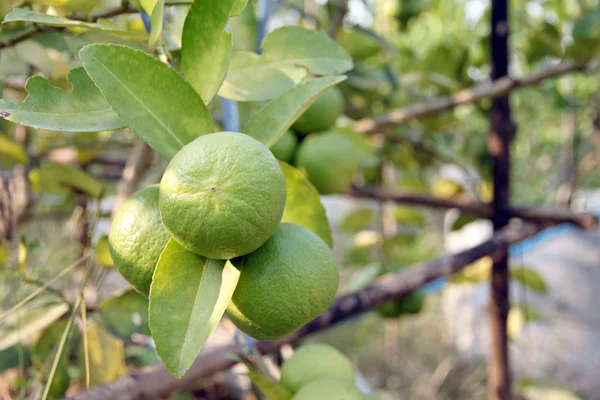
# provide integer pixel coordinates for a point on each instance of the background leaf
(22, 15)
(303, 204)
(357, 220)
(289, 53)
(12, 152)
(48, 107)
(188, 297)
(529, 278)
(106, 355)
(206, 46)
(62, 179)
(269, 123)
(126, 314)
(149, 96)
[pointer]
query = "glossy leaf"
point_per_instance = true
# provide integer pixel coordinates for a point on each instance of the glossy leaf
(303, 204)
(47, 107)
(156, 23)
(126, 314)
(206, 46)
(106, 355)
(22, 15)
(289, 54)
(149, 96)
(62, 179)
(529, 278)
(34, 317)
(269, 123)
(188, 297)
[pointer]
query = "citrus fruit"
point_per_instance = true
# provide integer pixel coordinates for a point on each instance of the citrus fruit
(222, 195)
(329, 160)
(284, 148)
(411, 304)
(312, 362)
(322, 114)
(329, 389)
(286, 283)
(137, 237)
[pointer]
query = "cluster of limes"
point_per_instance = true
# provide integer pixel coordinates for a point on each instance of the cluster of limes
(222, 196)
(328, 158)
(320, 372)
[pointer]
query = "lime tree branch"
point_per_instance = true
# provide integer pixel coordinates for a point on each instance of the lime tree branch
(155, 381)
(35, 30)
(469, 206)
(494, 89)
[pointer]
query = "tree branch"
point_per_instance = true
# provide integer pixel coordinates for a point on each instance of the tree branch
(493, 89)
(469, 206)
(138, 163)
(155, 381)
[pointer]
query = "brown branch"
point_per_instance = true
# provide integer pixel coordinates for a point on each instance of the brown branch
(493, 89)
(469, 206)
(338, 12)
(154, 381)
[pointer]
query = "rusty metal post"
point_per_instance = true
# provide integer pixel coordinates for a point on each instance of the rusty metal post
(502, 131)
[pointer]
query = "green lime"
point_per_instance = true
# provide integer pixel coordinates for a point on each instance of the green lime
(222, 195)
(284, 284)
(312, 362)
(329, 160)
(322, 114)
(412, 304)
(284, 148)
(137, 237)
(329, 389)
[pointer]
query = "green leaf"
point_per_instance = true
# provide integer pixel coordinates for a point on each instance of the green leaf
(303, 204)
(34, 317)
(102, 253)
(188, 296)
(47, 107)
(13, 357)
(106, 355)
(289, 54)
(462, 220)
(269, 123)
(12, 152)
(22, 15)
(206, 46)
(47, 344)
(126, 314)
(62, 179)
(363, 277)
(149, 96)
(238, 7)
(529, 278)
(357, 220)
(269, 389)
(156, 23)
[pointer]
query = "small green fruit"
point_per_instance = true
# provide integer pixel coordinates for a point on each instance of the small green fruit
(329, 389)
(284, 148)
(322, 114)
(412, 304)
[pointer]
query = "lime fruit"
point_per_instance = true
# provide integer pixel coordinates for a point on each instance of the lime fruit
(329, 160)
(322, 114)
(284, 148)
(312, 362)
(222, 195)
(284, 284)
(329, 389)
(412, 304)
(137, 237)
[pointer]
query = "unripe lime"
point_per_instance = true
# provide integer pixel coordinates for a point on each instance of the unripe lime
(137, 237)
(329, 389)
(411, 304)
(329, 160)
(285, 146)
(222, 195)
(312, 362)
(322, 114)
(284, 284)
